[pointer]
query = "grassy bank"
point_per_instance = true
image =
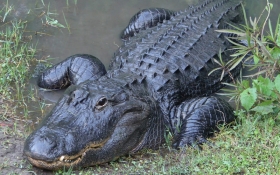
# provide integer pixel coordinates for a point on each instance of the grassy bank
(16, 56)
(248, 148)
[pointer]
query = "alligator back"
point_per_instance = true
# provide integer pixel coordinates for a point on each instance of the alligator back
(179, 51)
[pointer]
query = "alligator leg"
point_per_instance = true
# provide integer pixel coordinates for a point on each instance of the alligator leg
(144, 19)
(73, 70)
(199, 118)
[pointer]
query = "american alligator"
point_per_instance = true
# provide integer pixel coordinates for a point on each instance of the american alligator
(158, 82)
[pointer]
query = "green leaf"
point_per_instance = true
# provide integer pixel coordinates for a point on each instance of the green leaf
(263, 48)
(277, 83)
(231, 32)
(277, 31)
(218, 68)
(263, 85)
(264, 108)
(245, 84)
(270, 28)
(256, 59)
(248, 97)
(275, 53)
(257, 73)
(269, 6)
(244, 14)
(237, 62)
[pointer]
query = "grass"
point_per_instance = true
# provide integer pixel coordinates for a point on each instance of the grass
(248, 148)
(16, 56)
(49, 17)
(251, 146)
(74, 1)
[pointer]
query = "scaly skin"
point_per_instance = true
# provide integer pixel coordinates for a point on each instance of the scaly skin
(73, 70)
(157, 81)
(144, 19)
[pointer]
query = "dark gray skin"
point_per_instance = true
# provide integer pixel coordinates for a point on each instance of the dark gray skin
(157, 81)
(73, 70)
(144, 19)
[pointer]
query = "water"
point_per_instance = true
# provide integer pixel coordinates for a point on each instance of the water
(95, 26)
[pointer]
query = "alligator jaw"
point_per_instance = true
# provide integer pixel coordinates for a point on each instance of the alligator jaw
(65, 161)
(55, 165)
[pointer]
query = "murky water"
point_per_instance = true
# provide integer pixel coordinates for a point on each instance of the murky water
(94, 26)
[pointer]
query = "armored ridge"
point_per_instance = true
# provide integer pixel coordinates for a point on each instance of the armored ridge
(178, 51)
(157, 81)
(144, 19)
(171, 61)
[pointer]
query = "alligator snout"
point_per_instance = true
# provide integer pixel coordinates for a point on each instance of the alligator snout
(49, 146)
(41, 146)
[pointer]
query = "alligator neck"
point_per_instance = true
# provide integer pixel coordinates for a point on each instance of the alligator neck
(165, 97)
(160, 103)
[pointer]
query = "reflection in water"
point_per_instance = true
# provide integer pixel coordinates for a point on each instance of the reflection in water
(95, 26)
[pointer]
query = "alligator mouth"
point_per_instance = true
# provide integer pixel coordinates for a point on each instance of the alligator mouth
(57, 164)
(65, 161)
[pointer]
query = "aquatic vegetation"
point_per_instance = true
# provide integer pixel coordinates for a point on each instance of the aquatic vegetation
(16, 54)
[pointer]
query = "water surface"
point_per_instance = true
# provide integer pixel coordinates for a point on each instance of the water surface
(94, 26)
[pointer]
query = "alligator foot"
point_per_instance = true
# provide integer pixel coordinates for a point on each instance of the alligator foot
(73, 70)
(144, 19)
(200, 117)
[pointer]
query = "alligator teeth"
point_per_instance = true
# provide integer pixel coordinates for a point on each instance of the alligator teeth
(61, 158)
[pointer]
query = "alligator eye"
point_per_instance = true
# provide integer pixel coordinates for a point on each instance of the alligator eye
(102, 102)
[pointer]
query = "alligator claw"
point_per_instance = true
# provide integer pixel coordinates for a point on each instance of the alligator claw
(194, 142)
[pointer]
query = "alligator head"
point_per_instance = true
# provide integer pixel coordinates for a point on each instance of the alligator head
(89, 125)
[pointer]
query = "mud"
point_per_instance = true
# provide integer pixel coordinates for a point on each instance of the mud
(11, 152)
